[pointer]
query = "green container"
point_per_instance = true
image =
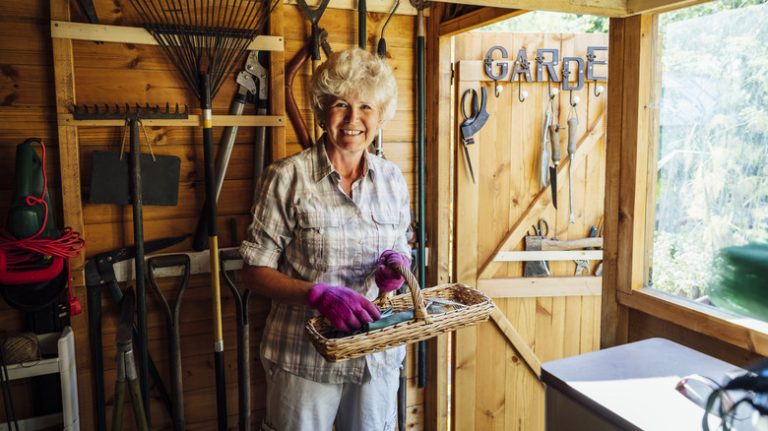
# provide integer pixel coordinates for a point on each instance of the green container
(741, 282)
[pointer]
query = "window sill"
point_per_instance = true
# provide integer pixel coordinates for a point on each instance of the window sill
(746, 333)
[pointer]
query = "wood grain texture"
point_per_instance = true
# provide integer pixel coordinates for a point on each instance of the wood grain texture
(34, 65)
(554, 316)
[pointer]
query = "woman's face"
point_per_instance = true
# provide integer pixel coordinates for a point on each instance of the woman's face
(352, 123)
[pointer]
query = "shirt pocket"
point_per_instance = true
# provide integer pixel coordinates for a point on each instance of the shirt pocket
(309, 240)
(387, 222)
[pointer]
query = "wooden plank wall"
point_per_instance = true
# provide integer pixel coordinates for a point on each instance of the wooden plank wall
(504, 393)
(120, 73)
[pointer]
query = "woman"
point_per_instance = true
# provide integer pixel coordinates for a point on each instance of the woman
(329, 224)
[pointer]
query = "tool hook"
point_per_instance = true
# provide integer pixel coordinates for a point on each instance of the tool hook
(521, 94)
(504, 68)
(573, 101)
(597, 89)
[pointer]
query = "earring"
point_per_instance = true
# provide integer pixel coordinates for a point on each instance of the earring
(321, 125)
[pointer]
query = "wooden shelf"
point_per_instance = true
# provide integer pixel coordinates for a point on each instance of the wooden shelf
(530, 287)
(529, 256)
(137, 35)
(193, 120)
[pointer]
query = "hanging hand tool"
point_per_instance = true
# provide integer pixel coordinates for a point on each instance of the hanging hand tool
(126, 369)
(544, 150)
(381, 47)
(381, 51)
(533, 240)
(313, 16)
(472, 123)
(573, 125)
(172, 321)
(555, 244)
(599, 268)
(582, 265)
(291, 69)
(99, 273)
(554, 140)
(362, 33)
(421, 235)
(252, 83)
(243, 343)
(549, 115)
(225, 31)
(133, 119)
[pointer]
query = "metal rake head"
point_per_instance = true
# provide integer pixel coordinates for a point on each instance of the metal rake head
(204, 37)
(126, 111)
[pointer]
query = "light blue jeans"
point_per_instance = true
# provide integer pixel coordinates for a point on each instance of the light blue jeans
(298, 404)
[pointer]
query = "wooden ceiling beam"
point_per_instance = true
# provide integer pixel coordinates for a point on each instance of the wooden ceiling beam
(635, 7)
(475, 19)
(610, 8)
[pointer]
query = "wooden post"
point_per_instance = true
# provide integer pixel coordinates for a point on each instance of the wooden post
(438, 60)
(277, 83)
(72, 208)
(628, 140)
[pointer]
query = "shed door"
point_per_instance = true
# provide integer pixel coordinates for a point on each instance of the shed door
(538, 319)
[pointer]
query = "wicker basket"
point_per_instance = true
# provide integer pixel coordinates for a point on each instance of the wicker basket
(476, 307)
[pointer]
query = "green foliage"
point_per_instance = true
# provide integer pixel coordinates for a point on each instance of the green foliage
(712, 187)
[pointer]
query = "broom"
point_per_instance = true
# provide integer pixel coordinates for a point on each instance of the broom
(204, 39)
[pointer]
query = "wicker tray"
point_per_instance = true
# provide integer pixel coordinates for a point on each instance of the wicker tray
(476, 307)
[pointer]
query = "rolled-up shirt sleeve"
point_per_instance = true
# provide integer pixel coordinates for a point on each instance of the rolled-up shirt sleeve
(270, 231)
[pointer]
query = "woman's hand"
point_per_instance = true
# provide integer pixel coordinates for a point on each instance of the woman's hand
(386, 276)
(346, 309)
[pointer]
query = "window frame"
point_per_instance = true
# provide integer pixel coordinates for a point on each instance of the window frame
(633, 108)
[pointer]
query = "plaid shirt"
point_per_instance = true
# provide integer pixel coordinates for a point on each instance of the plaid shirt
(306, 227)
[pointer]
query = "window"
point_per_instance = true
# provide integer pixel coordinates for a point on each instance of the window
(712, 162)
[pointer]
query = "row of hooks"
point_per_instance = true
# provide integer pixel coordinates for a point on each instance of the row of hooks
(597, 90)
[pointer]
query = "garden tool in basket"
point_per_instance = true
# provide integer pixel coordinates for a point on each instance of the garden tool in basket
(121, 180)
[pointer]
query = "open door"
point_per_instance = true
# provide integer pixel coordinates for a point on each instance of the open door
(496, 385)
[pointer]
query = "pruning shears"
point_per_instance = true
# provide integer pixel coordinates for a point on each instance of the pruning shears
(473, 122)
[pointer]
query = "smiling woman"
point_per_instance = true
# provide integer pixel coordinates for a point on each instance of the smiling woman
(327, 225)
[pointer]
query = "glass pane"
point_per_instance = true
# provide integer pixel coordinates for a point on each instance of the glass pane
(712, 168)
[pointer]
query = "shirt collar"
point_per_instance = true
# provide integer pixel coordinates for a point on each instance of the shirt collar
(323, 166)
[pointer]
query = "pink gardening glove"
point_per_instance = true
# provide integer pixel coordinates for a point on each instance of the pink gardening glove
(386, 277)
(346, 309)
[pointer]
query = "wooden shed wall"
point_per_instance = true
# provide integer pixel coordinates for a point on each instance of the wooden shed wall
(120, 73)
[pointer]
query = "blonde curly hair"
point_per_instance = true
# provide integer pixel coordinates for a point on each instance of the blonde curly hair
(354, 71)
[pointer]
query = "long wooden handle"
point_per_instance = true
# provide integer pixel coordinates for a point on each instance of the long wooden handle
(291, 108)
(554, 141)
(576, 244)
